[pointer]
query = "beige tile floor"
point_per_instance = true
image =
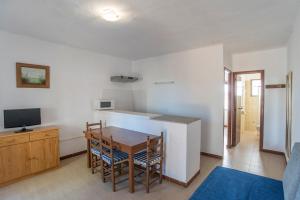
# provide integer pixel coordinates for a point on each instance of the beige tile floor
(247, 157)
(75, 182)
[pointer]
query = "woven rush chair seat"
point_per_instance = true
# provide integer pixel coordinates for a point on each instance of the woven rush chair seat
(149, 161)
(119, 156)
(141, 159)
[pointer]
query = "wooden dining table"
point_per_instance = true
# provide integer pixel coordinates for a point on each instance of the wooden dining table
(127, 141)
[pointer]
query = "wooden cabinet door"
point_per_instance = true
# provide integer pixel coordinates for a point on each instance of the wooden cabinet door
(44, 154)
(14, 162)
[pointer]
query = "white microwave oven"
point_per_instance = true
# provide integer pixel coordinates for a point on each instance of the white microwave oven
(104, 104)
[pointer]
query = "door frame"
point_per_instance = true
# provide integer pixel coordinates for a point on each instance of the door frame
(229, 114)
(262, 105)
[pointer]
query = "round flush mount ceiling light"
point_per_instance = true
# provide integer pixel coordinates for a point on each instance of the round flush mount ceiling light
(110, 15)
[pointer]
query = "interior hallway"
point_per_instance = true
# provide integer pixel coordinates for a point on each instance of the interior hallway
(247, 157)
(73, 181)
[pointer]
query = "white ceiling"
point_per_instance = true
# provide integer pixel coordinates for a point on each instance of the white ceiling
(153, 27)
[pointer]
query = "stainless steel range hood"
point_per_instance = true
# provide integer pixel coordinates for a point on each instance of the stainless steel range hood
(123, 79)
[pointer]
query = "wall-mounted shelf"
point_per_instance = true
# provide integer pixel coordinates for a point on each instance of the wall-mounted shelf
(164, 82)
(275, 86)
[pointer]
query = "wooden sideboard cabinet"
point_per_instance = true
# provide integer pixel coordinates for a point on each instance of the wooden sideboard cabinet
(23, 154)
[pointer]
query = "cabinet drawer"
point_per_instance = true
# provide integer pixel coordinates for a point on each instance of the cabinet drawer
(14, 139)
(43, 135)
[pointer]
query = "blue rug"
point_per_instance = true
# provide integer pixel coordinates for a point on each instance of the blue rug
(229, 184)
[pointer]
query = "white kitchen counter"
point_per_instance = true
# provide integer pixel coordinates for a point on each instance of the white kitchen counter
(175, 119)
(182, 136)
(148, 115)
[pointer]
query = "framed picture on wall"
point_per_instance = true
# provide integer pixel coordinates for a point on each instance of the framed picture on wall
(32, 76)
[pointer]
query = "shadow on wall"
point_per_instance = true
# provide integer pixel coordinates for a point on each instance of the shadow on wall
(141, 104)
(190, 110)
(71, 131)
(123, 98)
(193, 110)
(49, 115)
(173, 108)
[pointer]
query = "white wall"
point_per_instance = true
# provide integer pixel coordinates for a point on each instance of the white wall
(198, 90)
(227, 57)
(294, 66)
(274, 63)
(77, 78)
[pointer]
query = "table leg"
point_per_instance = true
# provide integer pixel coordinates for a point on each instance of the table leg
(131, 173)
(88, 153)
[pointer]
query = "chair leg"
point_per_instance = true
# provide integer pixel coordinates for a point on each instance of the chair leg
(88, 153)
(93, 164)
(91, 160)
(113, 178)
(100, 164)
(102, 171)
(147, 179)
(160, 173)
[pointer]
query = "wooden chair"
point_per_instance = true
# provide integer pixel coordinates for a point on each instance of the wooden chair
(94, 145)
(150, 161)
(113, 161)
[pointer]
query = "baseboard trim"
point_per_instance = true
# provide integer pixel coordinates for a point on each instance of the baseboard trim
(73, 155)
(180, 182)
(273, 152)
(211, 155)
(193, 178)
(174, 181)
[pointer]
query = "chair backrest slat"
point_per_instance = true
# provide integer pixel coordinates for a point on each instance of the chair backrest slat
(155, 147)
(93, 126)
(107, 146)
(94, 141)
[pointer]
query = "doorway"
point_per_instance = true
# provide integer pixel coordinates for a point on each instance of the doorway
(228, 82)
(248, 108)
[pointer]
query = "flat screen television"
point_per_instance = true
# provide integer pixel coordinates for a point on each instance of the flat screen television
(22, 118)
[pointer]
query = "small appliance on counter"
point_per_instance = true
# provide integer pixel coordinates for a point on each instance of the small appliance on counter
(104, 104)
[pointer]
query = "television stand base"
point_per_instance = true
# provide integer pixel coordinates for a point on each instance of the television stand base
(23, 130)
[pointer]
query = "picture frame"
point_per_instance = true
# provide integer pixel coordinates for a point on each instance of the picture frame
(32, 76)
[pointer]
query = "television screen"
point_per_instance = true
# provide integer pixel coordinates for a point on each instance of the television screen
(22, 117)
